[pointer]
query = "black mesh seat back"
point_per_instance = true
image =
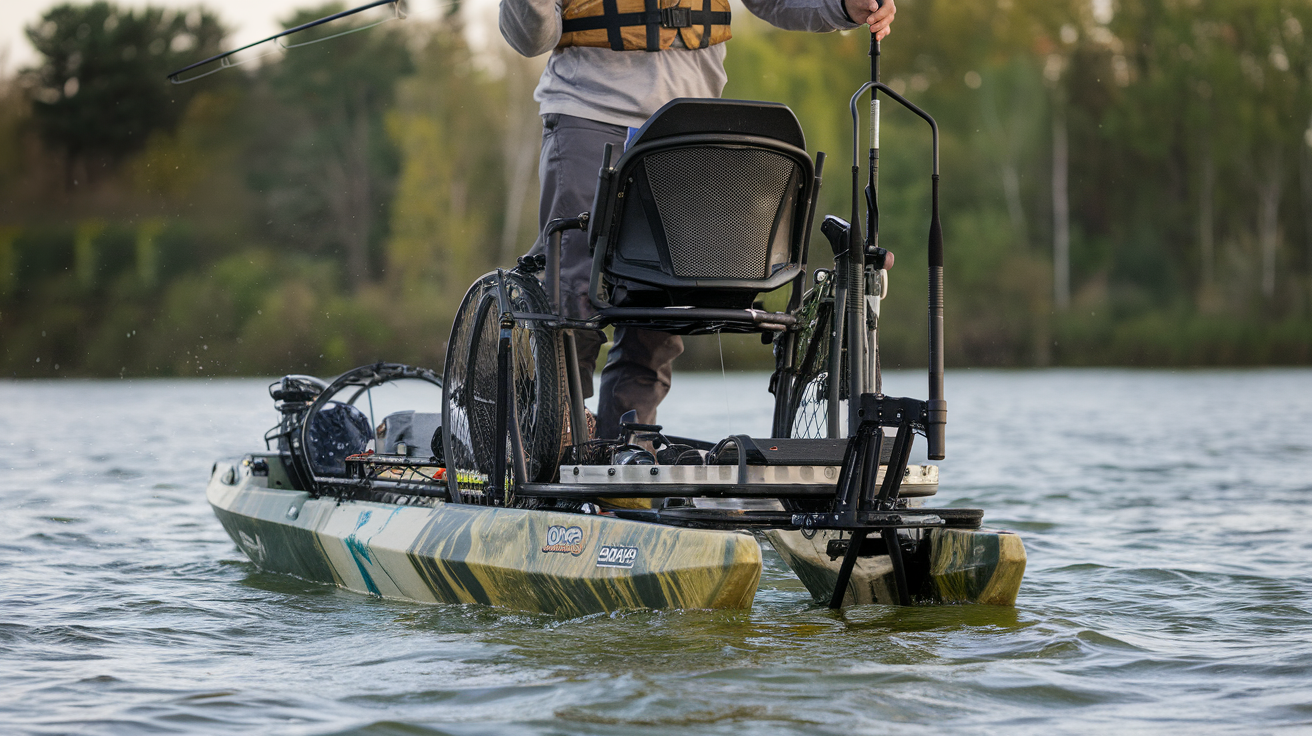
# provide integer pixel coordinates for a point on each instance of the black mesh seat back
(706, 207)
(722, 212)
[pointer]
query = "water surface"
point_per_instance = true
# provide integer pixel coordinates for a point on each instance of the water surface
(1166, 516)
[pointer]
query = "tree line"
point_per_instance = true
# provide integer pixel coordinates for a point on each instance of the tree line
(1124, 183)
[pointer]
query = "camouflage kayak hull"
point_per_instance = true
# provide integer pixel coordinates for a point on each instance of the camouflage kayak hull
(541, 561)
(952, 566)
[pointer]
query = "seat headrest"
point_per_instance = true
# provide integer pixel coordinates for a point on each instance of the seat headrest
(684, 116)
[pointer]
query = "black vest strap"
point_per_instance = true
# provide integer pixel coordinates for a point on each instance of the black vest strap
(653, 19)
(610, 15)
(653, 31)
(707, 22)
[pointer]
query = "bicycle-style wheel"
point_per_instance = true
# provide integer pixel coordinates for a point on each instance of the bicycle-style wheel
(806, 415)
(469, 409)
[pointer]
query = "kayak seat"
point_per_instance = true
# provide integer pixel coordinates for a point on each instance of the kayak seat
(706, 209)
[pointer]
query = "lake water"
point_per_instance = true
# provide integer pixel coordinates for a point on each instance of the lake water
(1167, 516)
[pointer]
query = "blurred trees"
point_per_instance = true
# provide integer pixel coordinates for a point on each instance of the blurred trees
(1123, 183)
(328, 163)
(1152, 156)
(99, 92)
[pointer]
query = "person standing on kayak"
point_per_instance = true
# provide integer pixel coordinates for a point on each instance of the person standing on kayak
(612, 66)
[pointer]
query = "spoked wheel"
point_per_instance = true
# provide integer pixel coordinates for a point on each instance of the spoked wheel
(807, 413)
(469, 409)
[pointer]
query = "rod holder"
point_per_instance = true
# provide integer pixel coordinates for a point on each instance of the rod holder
(938, 408)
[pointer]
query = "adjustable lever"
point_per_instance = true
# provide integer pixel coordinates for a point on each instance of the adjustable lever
(836, 230)
(629, 426)
(880, 258)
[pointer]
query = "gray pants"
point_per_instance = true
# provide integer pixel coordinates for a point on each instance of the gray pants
(641, 362)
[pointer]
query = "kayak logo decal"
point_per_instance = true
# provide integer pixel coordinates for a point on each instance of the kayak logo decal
(616, 555)
(564, 539)
(253, 547)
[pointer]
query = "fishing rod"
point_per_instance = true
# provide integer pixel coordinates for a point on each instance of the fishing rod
(858, 337)
(855, 282)
(224, 57)
(848, 331)
(859, 248)
(872, 186)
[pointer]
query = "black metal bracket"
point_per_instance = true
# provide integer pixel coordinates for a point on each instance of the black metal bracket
(507, 420)
(892, 411)
(836, 548)
(856, 499)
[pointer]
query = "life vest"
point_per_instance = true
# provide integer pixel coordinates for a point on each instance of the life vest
(644, 25)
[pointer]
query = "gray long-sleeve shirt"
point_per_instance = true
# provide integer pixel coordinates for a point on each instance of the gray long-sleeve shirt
(626, 87)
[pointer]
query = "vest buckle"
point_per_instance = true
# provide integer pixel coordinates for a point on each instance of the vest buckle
(676, 17)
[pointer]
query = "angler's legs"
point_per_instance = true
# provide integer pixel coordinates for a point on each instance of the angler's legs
(637, 374)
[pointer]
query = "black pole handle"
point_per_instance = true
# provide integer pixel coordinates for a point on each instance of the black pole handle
(936, 427)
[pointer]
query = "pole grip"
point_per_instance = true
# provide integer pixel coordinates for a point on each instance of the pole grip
(936, 428)
(854, 322)
(938, 407)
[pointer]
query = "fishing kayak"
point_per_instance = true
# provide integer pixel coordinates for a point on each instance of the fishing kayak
(422, 548)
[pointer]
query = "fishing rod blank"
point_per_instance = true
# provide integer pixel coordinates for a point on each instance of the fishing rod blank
(224, 58)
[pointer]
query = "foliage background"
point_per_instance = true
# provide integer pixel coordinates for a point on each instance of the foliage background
(327, 209)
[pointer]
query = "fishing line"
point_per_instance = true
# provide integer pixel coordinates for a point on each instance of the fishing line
(400, 15)
(224, 63)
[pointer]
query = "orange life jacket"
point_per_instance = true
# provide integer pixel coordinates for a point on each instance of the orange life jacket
(644, 25)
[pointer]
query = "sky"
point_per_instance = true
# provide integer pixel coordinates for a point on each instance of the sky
(250, 20)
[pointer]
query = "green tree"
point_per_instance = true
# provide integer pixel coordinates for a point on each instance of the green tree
(99, 91)
(330, 167)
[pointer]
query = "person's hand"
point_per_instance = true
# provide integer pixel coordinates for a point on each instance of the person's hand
(880, 19)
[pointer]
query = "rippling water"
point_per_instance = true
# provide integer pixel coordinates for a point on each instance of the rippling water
(1169, 586)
